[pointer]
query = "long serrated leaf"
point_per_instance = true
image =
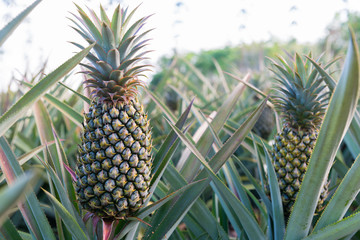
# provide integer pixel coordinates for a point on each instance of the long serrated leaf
(238, 213)
(30, 209)
(257, 186)
(201, 214)
(342, 198)
(159, 164)
(191, 167)
(331, 83)
(300, 69)
(30, 97)
(8, 230)
(65, 201)
(12, 25)
(143, 212)
(249, 85)
(68, 111)
(236, 179)
(44, 125)
(338, 230)
(337, 119)
(67, 218)
(166, 220)
(86, 99)
(30, 154)
(86, 21)
(14, 193)
(276, 201)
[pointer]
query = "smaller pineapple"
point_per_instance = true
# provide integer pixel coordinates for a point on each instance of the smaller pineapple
(301, 101)
(265, 124)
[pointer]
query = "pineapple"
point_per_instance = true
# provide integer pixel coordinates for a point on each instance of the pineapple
(114, 158)
(301, 102)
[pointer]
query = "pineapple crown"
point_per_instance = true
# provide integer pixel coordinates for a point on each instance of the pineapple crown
(115, 67)
(301, 97)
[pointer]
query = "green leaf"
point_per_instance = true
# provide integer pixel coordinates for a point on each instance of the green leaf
(342, 198)
(256, 185)
(30, 209)
(68, 111)
(237, 212)
(235, 178)
(159, 164)
(337, 119)
(276, 201)
(338, 230)
(8, 230)
(29, 98)
(30, 154)
(300, 68)
(190, 169)
(144, 212)
(198, 212)
(65, 201)
(44, 126)
(67, 218)
(86, 99)
(331, 83)
(11, 195)
(249, 85)
(165, 220)
(13, 24)
(86, 21)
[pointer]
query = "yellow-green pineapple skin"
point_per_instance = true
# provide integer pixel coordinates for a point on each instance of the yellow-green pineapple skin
(291, 154)
(114, 160)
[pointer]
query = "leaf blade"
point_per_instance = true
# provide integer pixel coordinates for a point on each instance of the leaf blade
(13, 24)
(30, 97)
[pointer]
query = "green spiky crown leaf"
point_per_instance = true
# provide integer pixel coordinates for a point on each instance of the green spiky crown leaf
(301, 97)
(115, 68)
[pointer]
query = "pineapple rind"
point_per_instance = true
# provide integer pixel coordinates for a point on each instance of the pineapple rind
(114, 160)
(291, 154)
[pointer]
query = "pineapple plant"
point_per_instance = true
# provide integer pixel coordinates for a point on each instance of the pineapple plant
(114, 160)
(301, 101)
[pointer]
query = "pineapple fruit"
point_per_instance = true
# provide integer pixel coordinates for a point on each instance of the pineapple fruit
(114, 158)
(301, 101)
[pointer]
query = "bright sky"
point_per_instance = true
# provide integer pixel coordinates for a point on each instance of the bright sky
(193, 25)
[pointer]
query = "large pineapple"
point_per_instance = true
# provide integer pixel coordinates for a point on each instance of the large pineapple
(301, 101)
(114, 159)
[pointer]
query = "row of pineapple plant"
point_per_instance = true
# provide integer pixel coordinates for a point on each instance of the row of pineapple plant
(164, 221)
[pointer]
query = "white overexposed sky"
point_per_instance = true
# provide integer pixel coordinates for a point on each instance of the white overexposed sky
(187, 25)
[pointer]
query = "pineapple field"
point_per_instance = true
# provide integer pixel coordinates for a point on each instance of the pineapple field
(255, 141)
